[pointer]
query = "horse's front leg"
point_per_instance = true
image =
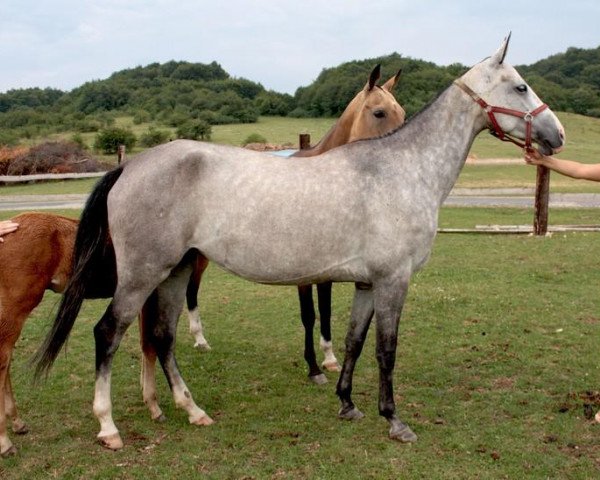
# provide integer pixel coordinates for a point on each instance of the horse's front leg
(324, 295)
(360, 319)
(389, 301)
(308, 317)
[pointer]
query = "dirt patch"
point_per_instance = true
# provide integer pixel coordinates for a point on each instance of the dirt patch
(268, 147)
(494, 161)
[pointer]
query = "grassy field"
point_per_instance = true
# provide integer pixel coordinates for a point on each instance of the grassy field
(497, 367)
(497, 372)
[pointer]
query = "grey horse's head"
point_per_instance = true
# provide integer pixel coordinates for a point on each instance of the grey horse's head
(500, 85)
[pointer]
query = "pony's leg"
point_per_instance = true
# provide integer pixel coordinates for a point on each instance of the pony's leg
(324, 295)
(162, 336)
(147, 320)
(193, 288)
(12, 318)
(389, 300)
(308, 316)
(6, 446)
(18, 425)
(360, 319)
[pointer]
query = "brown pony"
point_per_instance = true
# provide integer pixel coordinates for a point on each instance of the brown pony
(33, 259)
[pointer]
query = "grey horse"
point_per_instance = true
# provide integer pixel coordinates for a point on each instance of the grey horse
(365, 213)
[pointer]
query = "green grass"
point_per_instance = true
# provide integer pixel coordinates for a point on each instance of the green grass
(497, 349)
(60, 187)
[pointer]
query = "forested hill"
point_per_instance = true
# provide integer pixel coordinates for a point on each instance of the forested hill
(420, 81)
(174, 92)
(569, 82)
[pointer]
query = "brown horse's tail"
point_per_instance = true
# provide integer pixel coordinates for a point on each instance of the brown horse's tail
(93, 274)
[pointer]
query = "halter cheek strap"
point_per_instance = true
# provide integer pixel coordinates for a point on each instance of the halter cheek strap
(494, 126)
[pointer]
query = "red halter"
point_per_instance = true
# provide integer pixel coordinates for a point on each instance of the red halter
(494, 126)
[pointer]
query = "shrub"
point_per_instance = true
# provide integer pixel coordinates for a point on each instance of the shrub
(141, 116)
(254, 138)
(8, 137)
(109, 139)
(54, 157)
(77, 139)
(153, 137)
(194, 130)
(8, 155)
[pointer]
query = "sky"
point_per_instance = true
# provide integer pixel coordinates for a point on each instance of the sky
(281, 44)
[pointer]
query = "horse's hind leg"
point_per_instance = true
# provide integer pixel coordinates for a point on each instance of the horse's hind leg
(360, 319)
(193, 288)
(324, 294)
(307, 314)
(108, 332)
(162, 336)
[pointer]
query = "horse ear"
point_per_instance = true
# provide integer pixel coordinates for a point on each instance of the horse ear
(374, 77)
(391, 83)
(498, 57)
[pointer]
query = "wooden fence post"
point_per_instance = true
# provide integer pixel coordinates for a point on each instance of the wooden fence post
(304, 141)
(542, 195)
(120, 154)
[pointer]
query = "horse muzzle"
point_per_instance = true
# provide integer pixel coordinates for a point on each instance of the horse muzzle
(551, 141)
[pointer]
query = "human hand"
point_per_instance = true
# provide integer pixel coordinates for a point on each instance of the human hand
(7, 227)
(533, 157)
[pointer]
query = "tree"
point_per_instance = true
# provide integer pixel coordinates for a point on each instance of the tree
(194, 130)
(109, 139)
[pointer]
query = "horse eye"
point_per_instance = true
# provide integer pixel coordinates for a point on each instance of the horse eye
(379, 113)
(521, 88)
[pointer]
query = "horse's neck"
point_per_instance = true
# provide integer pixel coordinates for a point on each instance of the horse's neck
(337, 135)
(439, 139)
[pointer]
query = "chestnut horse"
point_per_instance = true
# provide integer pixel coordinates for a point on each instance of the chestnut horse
(373, 112)
(37, 257)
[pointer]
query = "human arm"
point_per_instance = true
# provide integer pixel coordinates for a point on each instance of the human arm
(569, 168)
(7, 226)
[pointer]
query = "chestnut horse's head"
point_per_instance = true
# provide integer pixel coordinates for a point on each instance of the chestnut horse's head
(374, 111)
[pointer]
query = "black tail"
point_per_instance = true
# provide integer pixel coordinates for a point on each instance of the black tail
(93, 251)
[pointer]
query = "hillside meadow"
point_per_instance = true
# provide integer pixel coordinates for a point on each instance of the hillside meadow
(583, 145)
